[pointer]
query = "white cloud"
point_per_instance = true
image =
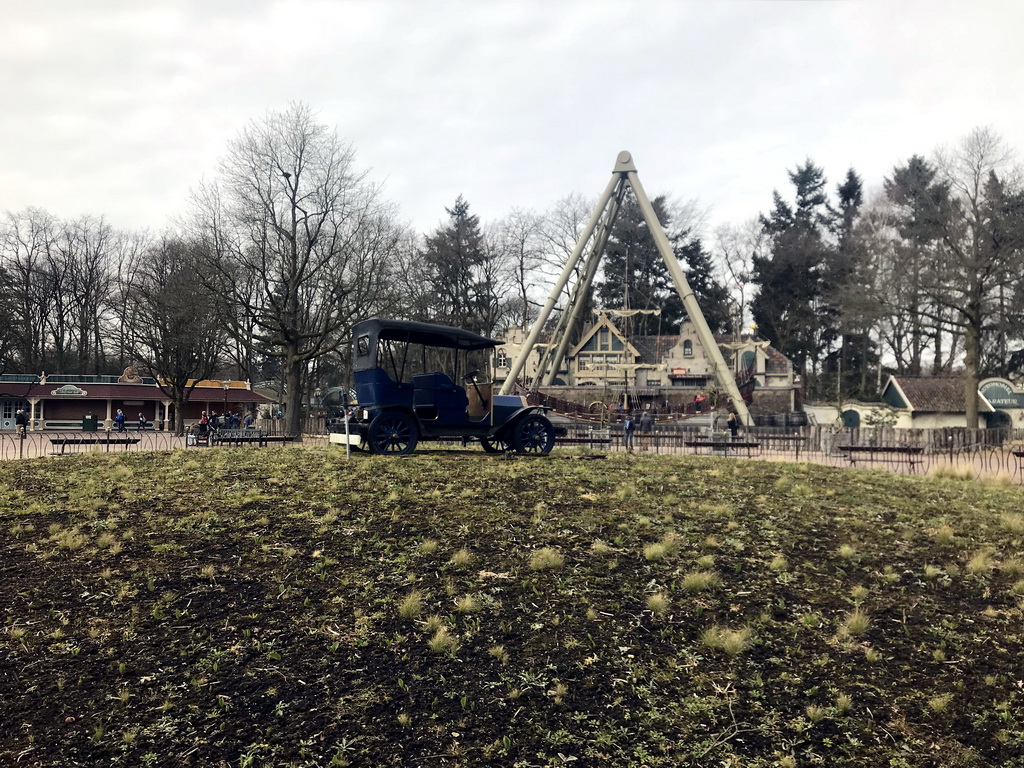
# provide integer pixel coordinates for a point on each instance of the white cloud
(118, 109)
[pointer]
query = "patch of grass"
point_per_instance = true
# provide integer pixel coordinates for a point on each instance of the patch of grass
(1013, 522)
(462, 559)
(411, 606)
(443, 641)
(980, 563)
(314, 576)
(659, 603)
(467, 604)
(855, 624)
(546, 559)
(699, 581)
(844, 703)
(732, 642)
(944, 536)
(427, 547)
(601, 548)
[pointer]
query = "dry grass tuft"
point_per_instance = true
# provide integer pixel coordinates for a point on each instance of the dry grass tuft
(732, 641)
(462, 558)
(546, 559)
(412, 605)
(855, 624)
(659, 603)
(699, 581)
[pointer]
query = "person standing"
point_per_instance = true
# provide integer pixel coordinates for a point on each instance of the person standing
(119, 420)
(21, 422)
(628, 428)
(646, 425)
(733, 423)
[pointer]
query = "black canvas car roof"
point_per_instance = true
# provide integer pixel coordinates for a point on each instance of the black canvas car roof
(430, 335)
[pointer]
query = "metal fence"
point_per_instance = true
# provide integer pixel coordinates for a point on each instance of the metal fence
(981, 452)
(975, 452)
(49, 443)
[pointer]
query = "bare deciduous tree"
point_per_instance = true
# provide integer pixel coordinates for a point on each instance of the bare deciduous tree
(300, 243)
(180, 336)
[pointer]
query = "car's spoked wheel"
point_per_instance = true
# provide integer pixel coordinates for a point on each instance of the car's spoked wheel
(535, 435)
(392, 433)
(496, 445)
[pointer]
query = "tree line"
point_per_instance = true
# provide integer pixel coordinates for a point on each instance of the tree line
(291, 242)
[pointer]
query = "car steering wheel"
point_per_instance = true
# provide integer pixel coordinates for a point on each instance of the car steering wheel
(471, 376)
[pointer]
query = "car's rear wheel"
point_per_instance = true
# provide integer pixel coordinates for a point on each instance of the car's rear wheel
(497, 445)
(392, 433)
(535, 435)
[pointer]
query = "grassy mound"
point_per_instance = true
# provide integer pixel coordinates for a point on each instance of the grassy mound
(289, 608)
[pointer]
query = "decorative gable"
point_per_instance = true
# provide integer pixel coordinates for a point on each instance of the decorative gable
(605, 338)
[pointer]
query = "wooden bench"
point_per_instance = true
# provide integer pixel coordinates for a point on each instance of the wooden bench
(722, 446)
(884, 454)
(65, 440)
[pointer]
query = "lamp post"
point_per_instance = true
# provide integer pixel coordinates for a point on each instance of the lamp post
(226, 384)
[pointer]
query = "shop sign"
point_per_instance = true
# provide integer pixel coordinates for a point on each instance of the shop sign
(1001, 395)
(69, 390)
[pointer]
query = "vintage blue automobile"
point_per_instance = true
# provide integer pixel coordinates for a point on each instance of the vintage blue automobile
(403, 398)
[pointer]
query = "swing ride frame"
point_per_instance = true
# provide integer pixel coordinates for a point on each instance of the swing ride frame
(586, 257)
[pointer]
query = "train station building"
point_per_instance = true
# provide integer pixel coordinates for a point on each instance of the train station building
(64, 402)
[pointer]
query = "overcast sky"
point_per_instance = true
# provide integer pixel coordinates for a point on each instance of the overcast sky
(120, 108)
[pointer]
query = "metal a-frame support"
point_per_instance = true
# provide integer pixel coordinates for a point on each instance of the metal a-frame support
(596, 235)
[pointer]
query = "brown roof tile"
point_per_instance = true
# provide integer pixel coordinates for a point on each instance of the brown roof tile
(936, 394)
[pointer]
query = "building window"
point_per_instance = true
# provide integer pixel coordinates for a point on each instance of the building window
(501, 359)
(687, 348)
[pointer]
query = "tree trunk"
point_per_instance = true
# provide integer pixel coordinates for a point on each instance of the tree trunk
(293, 393)
(972, 354)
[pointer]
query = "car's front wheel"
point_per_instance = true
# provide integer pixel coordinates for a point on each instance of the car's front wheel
(497, 445)
(392, 433)
(535, 434)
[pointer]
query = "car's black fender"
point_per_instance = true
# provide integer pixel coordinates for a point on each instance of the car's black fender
(527, 431)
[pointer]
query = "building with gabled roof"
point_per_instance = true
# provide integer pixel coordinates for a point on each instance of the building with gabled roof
(664, 368)
(932, 401)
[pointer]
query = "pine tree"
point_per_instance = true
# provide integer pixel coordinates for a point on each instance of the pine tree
(789, 308)
(454, 260)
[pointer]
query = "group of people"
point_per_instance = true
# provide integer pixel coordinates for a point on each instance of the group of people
(629, 425)
(214, 420)
(121, 425)
(646, 423)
